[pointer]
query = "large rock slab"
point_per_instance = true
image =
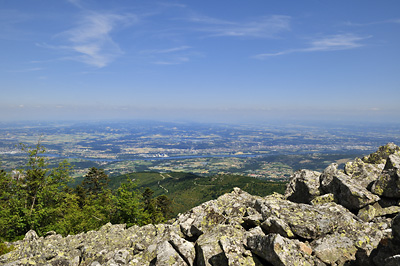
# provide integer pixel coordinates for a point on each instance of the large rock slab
(223, 245)
(388, 183)
(168, 256)
(381, 155)
(303, 186)
(348, 192)
(280, 251)
(228, 209)
(363, 173)
(376, 210)
(305, 221)
(335, 249)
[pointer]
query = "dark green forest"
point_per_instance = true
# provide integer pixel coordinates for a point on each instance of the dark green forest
(45, 198)
(41, 198)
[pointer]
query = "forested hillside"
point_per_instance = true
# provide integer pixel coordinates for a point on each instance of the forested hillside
(187, 190)
(45, 198)
(40, 198)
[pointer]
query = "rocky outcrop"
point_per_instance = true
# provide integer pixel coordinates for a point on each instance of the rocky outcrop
(337, 217)
(388, 182)
(304, 186)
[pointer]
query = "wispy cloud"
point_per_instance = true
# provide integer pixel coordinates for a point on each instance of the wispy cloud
(329, 43)
(173, 61)
(75, 3)
(91, 40)
(336, 42)
(387, 21)
(170, 56)
(26, 70)
(166, 51)
(172, 5)
(264, 27)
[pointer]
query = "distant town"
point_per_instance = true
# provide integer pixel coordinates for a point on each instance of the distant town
(266, 151)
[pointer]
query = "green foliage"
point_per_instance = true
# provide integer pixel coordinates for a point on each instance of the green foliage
(30, 198)
(186, 190)
(127, 205)
(38, 197)
(95, 181)
(5, 249)
(41, 198)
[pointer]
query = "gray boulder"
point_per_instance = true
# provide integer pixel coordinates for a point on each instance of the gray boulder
(347, 191)
(168, 256)
(303, 186)
(388, 183)
(383, 152)
(334, 249)
(280, 251)
(376, 210)
(363, 173)
(326, 198)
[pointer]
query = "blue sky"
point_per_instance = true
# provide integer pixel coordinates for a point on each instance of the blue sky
(200, 60)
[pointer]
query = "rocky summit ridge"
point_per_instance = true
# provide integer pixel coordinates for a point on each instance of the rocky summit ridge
(337, 217)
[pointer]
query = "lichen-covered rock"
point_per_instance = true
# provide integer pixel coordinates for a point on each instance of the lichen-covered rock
(362, 172)
(184, 248)
(252, 220)
(368, 213)
(335, 249)
(31, 236)
(280, 251)
(383, 152)
(276, 225)
(236, 253)
(326, 198)
(306, 221)
(228, 209)
(167, 256)
(371, 211)
(303, 186)
(388, 183)
(223, 245)
(347, 191)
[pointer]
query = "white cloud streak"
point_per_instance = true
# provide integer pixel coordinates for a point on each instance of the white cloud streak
(170, 56)
(175, 61)
(265, 27)
(26, 70)
(75, 2)
(388, 21)
(166, 51)
(329, 43)
(91, 39)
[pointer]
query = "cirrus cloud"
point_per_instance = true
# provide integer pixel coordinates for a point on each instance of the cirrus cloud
(264, 27)
(328, 43)
(90, 41)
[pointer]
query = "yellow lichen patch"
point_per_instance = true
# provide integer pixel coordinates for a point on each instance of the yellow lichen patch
(323, 199)
(171, 260)
(363, 242)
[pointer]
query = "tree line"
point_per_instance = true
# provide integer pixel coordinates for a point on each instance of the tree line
(41, 198)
